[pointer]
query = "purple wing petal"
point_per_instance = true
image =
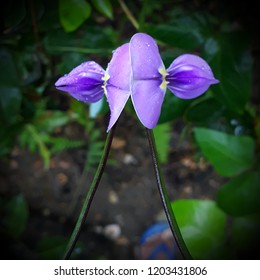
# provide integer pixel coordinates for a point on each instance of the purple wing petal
(117, 99)
(147, 98)
(84, 82)
(119, 68)
(148, 73)
(189, 76)
(117, 82)
(145, 57)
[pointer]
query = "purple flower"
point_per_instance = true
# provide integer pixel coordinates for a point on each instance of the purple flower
(88, 82)
(188, 77)
(136, 69)
(118, 82)
(84, 82)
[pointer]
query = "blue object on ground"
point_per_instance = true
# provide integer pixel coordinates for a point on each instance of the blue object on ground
(162, 248)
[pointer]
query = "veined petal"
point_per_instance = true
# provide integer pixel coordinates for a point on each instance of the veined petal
(145, 58)
(189, 76)
(118, 71)
(147, 97)
(117, 82)
(117, 99)
(84, 82)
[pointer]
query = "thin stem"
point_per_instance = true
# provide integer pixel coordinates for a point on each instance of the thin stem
(90, 195)
(35, 28)
(129, 14)
(165, 198)
(80, 50)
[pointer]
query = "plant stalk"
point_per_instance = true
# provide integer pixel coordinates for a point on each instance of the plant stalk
(165, 198)
(129, 14)
(90, 195)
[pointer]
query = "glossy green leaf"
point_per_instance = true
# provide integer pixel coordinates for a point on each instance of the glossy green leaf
(202, 225)
(231, 62)
(17, 214)
(73, 13)
(229, 154)
(162, 134)
(104, 7)
(241, 195)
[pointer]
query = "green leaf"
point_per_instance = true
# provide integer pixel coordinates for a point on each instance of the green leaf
(178, 36)
(206, 112)
(17, 216)
(37, 138)
(59, 144)
(50, 120)
(69, 61)
(8, 137)
(209, 112)
(10, 102)
(173, 107)
(10, 94)
(231, 62)
(104, 7)
(241, 195)
(229, 154)
(100, 40)
(183, 30)
(202, 225)
(162, 139)
(73, 13)
(53, 248)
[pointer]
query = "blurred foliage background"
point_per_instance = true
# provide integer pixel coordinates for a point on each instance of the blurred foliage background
(42, 40)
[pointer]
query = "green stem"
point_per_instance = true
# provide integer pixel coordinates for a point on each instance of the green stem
(165, 198)
(90, 195)
(79, 49)
(129, 14)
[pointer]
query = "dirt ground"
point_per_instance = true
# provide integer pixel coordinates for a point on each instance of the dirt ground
(126, 203)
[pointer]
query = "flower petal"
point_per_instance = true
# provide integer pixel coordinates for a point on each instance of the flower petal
(145, 57)
(147, 97)
(119, 68)
(117, 99)
(189, 76)
(117, 86)
(84, 82)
